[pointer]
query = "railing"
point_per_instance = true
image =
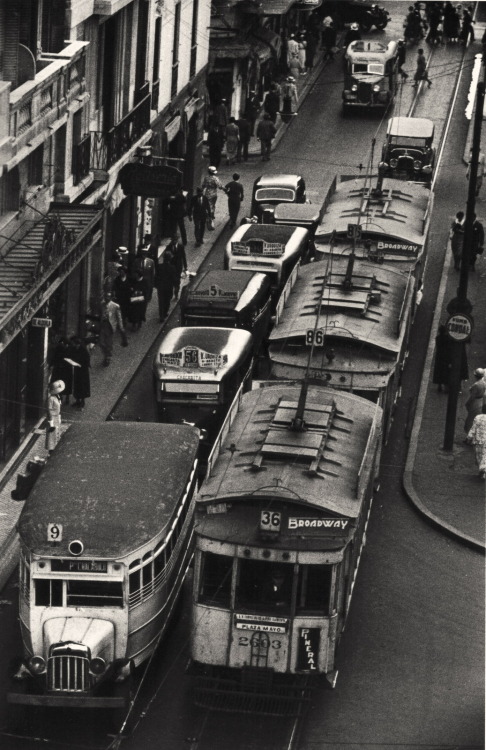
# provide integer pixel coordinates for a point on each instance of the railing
(225, 428)
(108, 148)
(81, 159)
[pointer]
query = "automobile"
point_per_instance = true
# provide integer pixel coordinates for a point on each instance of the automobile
(408, 151)
(355, 11)
(271, 189)
(370, 75)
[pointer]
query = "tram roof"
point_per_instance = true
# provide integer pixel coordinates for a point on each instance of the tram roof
(323, 467)
(112, 485)
(398, 213)
(236, 289)
(369, 315)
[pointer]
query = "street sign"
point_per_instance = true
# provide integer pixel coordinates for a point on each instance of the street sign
(41, 322)
(459, 327)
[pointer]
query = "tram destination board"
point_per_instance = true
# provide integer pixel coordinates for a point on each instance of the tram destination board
(79, 566)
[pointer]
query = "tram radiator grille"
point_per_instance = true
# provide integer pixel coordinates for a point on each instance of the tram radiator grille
(69, 674)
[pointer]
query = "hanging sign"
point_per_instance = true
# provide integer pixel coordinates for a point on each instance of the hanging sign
(149, 180)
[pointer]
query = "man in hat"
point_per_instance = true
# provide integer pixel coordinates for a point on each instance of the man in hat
(200, 211)
(53, 429)
(165, 278)
(211, 185)
(266, 132)
(252, 108)
(234, 191)
(176, 251)
(352, 35)
(401, 58)
(111, 320)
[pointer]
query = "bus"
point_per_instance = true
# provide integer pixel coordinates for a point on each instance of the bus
(106, 537)
(281, 521)
(370, 75)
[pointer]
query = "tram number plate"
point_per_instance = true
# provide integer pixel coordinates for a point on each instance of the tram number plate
(54, 532)
(270, 520)
(314, 337)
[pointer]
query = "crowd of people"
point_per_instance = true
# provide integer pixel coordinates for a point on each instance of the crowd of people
(439, 23)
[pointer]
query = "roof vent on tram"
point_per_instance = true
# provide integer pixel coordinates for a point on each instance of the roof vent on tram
(76, 547)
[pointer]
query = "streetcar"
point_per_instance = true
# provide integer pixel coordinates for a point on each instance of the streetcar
(106, 537)
(231, 299)
(345, 322)
(269, 249)
(280, 524)
(384, 219)
(197, 372)
(370, 76)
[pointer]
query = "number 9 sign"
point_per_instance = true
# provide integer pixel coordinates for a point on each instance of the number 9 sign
(54, 532)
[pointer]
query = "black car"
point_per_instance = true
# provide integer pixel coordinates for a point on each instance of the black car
(271, 189)
(408, 151)
(355, 11)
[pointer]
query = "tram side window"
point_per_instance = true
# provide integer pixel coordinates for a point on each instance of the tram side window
(215, 585)
(314, 588)
(48, 593)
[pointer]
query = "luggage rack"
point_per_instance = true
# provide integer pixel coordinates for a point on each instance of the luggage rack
(256, 693)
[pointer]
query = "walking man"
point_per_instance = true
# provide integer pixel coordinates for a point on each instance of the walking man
(177, 211)
(266, 132)
(211, 185)
(401, 58)
(477, 244)
(480, 174)
(111, 320)
(234, 191)
(421, 71)
(245, 135)
(179, 260)
(456, 237)
(200, 211)
(164, 283)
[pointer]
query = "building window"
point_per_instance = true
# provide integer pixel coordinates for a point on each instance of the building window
(9, 191)
(34, 166)
(175, 49)
(195, 13)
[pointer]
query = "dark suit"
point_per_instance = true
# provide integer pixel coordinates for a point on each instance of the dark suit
(200, 211)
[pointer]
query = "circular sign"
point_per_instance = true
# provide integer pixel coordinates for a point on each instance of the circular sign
(459, 327)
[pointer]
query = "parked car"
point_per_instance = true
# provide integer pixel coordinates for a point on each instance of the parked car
(408, 151)
(271, 189)
(355, 11)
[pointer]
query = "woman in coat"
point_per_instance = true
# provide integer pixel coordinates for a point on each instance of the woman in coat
(53, 429)
(232, 140)
(81, 365)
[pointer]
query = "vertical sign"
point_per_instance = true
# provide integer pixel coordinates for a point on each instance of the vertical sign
(308, 649)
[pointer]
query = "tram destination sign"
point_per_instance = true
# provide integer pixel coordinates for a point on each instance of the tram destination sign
(308, 649)
(316, 526)
(263, 623)
(79, 566)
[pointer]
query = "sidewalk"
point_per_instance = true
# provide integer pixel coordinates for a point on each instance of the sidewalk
(433, 489)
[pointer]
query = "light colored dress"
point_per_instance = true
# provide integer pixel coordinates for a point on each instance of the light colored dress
(477, 437)
(474, 403)
(53, 420)
(232, 139)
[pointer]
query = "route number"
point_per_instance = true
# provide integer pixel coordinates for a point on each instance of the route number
(270, 520)
(54, 532)
(354, 231)
(314, 337)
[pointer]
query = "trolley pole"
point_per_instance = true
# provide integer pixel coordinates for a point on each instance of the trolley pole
(459, 325)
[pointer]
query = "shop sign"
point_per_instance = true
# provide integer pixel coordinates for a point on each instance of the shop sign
(41, 322)
(308, 649)
(173, 127)
(149, 180)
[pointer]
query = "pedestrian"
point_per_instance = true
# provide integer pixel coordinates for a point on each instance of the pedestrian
(211, 185)
(245, 135)
(421, 70)
(451, 23)
(146, 266)
(61, 370)
(200, 212)
(443, 359)
(302, 54)
(480, 172)
(328, 41)
(111, 274)
(293, 60)
(477, 242)
(138, 300)
(434, 18)
(232, 139)
(53, 426)
(178, 259)
(266, 132)
(289, 96)
(310, 51)
(215, 143)
(252, 109)
(111, 321)
(351, 35)
(467, 28)
(476, 397)
(176, 208)
(314, 26)
(80, 360)
(121, 292)
(401, 58)
(165, 278)
(220, 114)
(151, 245)
(456, 236)
(271, 104)
(477, 437)
(234, 191)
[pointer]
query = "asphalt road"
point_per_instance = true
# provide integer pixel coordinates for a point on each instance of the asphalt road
(411, 658)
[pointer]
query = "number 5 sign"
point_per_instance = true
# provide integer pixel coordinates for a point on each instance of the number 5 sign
(54, 532)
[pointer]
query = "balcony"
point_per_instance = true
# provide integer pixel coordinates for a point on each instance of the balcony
(37, 105)
(107, 148)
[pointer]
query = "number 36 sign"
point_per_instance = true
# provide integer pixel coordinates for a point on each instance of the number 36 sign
(54, 532)
(270, 520)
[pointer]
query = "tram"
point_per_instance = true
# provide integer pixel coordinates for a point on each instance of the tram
(380, 218)
(345, 322)
(197, 372)
(231, 299)
(280, 523)
(106, 538)
(269, 249)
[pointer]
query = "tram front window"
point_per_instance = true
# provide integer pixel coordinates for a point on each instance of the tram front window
(216, 574)
(264, 587)
(314, 589)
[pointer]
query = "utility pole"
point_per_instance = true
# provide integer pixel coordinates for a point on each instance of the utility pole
(459, 325)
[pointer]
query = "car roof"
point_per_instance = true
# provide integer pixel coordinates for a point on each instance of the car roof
(278, 180)
(371, 51)
(415, 127)
(238, 289)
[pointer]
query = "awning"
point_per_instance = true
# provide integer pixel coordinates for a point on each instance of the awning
(275, 7)
(229, 47)
(33, 267)
(269, 37)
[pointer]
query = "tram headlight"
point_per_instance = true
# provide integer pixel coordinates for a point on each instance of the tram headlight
(393, 163)
(97, 665)
(37, 665)
(417, 164)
